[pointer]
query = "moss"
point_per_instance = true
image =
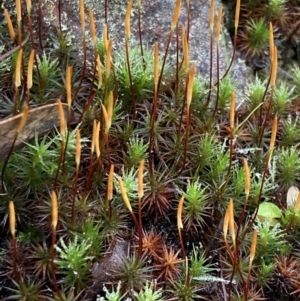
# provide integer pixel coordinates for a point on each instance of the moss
(97, 200)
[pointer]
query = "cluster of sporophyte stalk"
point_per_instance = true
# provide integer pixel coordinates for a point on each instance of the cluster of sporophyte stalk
(153, 186)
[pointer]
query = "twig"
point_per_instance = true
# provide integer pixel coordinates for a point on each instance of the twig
(12, 51)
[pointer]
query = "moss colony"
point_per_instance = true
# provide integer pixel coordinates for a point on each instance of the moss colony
(152, 185)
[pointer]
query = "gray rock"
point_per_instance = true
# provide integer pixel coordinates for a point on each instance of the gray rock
(156, 22)
(156, 18)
